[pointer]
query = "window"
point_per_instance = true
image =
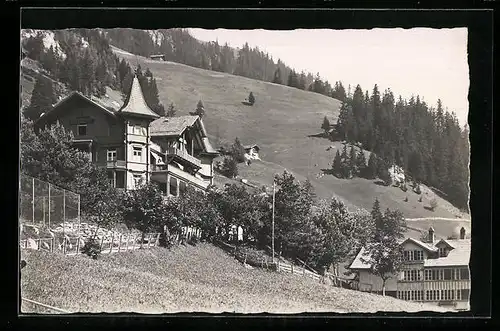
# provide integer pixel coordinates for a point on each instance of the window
(442, 252)
(111, 179)
(120, 179)
(137, 129)
(411, 275)
(428, 274)
(111, 155)
(418, 255)
(137, 180)
(173, 186)
(447, 273)
(464, 273)
(459, 296)
(82, 129)
(428, 295)
(137, 152)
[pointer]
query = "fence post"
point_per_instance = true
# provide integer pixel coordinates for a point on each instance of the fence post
(49, 205)
(120, 242)
(149, 240)
(33, 200)
(102, 241)
(111, 245)
(78, 244)
(64, 208)
(79, 218)
(157, 239)
(141, 240)
(291, 266)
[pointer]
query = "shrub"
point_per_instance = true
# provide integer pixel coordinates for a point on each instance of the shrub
(403, 187)
(229, 167)
(92, 248)
(251, 98)
(433, 204)
(420, 199)
(406, 199)
(418, 190)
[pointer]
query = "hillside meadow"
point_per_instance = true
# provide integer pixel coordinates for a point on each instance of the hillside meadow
(184, 279)
(282, 122)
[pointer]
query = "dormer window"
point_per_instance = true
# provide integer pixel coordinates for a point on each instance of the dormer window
(442, 252)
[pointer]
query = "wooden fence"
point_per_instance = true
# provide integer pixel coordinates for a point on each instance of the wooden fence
(73, 245)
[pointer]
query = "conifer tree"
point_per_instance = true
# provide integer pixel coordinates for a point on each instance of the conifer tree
(251, 98)
(277, 76)
(353, 167)
(337, 165)
(200, 109)
(171, 110)
(326, 125)
(361, 163)
(371, 171)
(42, 98)
(345, 164)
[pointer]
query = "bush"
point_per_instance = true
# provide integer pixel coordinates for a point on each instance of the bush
(251, 98)
(92, 248)
(420, 199)
(406, 199)
(229, 167)
(433, 204)
(418, 190)
(403, 187)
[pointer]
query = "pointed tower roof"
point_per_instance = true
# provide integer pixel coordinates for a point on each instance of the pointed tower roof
(135, 103)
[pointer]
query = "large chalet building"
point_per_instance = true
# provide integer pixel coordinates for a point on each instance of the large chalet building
(434, 271)
(135, 144)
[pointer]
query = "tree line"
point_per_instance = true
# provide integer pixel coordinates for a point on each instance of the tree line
(177, 45)
(427, 143)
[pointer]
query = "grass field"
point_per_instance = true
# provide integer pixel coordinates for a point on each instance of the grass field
(185, 279)
(281, 123)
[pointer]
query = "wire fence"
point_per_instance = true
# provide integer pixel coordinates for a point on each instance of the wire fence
(46, 205)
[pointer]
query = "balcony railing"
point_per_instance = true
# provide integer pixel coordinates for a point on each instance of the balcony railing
(190, 179)
(116, 164)
(184, 155)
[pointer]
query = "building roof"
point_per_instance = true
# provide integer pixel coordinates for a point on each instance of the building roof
(458, 256)
(420, 243)
(173, 126)
(135, 103)
(73, 95)
(357, 263)
(250, 146)
(209, 149)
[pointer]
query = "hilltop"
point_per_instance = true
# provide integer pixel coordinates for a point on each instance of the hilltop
(282, 122)
(160, 280)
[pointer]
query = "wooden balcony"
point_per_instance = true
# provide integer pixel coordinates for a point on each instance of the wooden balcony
(187, 177)
(116, 164)
(184, 156)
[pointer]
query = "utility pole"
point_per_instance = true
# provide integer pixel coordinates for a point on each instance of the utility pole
(272, 244)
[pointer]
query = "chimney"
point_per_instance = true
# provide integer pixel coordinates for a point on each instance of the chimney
(462, 233)
(430, 237)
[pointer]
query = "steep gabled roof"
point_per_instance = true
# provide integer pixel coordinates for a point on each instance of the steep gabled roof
(425, 246)
(173, 126)
(73, 95)
(135, 103)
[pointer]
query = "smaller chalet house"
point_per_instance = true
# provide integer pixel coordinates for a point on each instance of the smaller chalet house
(251, 152)
(434, 272)
(136, 144)
(158, 57)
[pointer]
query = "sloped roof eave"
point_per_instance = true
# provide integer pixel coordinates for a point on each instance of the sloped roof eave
(58, 104)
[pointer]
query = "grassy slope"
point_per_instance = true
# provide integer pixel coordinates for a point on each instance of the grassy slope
(280, 122)
(201, 278)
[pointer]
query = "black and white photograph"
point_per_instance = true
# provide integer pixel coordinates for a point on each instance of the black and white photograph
(193, 170)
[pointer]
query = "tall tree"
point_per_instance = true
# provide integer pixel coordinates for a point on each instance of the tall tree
(42, 98)
(326, 125)
(200, 109)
